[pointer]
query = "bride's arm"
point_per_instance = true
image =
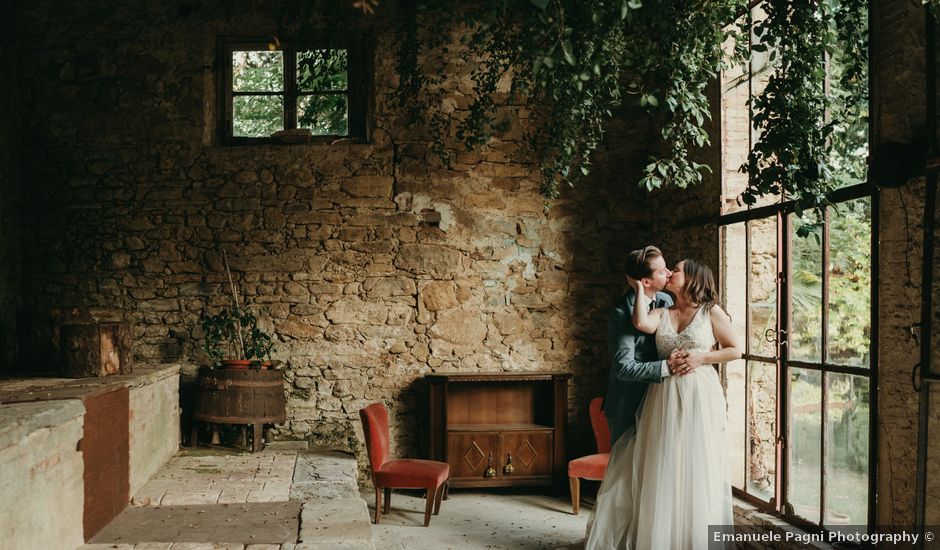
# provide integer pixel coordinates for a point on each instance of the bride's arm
(643, 319)
(729, 346)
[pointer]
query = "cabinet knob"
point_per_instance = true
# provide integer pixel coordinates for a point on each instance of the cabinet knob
(507, 469)
(490, 470)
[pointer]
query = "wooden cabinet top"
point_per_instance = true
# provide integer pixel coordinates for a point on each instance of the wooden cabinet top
(457, 377)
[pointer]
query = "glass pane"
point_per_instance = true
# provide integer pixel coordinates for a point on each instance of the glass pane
(736, 397)
(257, 71)
(848, 88)
(847, 420)
(734, 277)
(761, 70)
(735, 130)
(762, 285)
(325, 115)
(762, 426)
(806, 296)
(257, 115)
(321, 70)
(805, 452)
(850, 283)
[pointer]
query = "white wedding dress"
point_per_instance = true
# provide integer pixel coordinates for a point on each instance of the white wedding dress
(665, 485)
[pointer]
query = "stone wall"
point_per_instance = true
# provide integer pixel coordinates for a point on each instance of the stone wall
(131, 204)
(10, 282)
(898, 115)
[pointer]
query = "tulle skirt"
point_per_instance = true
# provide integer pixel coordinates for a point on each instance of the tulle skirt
(665, 485)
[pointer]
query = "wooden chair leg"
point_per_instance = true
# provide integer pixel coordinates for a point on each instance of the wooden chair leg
(446, 488)
(428, 507)
(378, 504)
(575, 494)
(388, 500)
(438, 495)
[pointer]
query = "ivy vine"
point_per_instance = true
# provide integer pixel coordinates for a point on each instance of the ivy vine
(574, 62)
(811, 116)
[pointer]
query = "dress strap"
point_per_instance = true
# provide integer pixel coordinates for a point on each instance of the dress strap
(665, 319)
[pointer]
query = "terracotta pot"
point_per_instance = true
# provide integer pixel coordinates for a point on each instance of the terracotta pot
(239, 364)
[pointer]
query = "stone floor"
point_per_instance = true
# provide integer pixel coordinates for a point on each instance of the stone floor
(505, 519)
(212, 499)
(278, 499)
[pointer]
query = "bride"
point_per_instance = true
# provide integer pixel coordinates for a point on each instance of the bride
(668, 483)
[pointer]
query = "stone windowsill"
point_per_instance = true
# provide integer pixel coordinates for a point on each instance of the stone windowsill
(747, 514)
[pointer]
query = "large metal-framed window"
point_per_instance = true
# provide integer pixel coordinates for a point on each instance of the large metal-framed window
(270, 87)
(801, 400)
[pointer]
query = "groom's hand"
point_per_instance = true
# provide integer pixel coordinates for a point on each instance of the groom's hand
(675, 359)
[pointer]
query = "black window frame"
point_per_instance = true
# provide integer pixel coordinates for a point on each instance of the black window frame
(782, 209)
(358, 86)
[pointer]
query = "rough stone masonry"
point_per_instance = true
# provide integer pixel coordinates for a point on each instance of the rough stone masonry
(372, 263)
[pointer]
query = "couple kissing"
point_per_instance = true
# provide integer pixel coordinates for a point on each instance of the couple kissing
(668, 477)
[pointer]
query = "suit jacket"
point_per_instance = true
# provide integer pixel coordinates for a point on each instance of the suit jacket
(634, 364)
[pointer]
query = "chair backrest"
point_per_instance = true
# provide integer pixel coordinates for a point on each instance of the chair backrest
(599, 425)
(375, 426)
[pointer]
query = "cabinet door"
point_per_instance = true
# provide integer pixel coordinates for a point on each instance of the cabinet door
(468, 453)
(531, 453)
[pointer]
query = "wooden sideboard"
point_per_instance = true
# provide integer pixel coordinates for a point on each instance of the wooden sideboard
(490, 420)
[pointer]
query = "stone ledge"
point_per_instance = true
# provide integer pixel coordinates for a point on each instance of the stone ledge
(748, 517)
(337, 523)
(147, 374)
(19, 420)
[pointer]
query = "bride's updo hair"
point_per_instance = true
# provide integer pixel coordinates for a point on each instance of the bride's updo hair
(700, 287)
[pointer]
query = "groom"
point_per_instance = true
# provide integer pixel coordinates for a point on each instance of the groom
(634, 362)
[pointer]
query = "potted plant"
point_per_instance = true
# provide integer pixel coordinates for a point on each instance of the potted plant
(233, 339)
(245, 391)
(232, 336)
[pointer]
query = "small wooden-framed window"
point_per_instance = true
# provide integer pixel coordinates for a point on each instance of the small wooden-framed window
(268, 87)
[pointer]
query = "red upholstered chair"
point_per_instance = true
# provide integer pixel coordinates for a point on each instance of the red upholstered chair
(591, 466)
(403, 473)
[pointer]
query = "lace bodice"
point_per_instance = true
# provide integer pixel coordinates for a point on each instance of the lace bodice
(698, 336)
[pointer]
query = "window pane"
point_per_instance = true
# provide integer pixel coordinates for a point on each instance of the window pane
(734, 383)
(847, 416)
(762, 425)
(805, 443)
(848, 88)
(734, 277)
(325, 115)
(321, 70)
(762, 285)
(806, 296)
(761, 70)
(735, 129)
(850, 283)
(257, 71)
(257, 115)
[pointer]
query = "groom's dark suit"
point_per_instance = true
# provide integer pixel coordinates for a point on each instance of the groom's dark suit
(634, 364)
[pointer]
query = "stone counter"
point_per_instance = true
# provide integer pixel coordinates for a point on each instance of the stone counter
(128, 427)
(41, 474)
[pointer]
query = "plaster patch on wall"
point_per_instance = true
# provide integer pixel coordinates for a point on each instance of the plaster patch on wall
(420, 204)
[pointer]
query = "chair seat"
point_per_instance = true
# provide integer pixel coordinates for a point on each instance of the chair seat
(412, 473)
(589, 467)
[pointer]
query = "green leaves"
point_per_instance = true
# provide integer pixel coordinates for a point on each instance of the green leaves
(574, 60)
(799, 153)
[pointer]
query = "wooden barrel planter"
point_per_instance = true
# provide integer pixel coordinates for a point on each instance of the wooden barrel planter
(250, 396)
